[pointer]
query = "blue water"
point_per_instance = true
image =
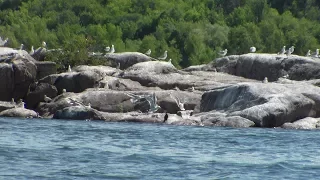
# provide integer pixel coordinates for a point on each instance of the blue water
(57, 149)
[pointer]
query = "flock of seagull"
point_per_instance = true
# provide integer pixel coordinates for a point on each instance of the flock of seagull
(283, 51)
(151, 98)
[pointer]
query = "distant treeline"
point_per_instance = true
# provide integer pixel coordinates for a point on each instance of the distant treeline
(193, 31)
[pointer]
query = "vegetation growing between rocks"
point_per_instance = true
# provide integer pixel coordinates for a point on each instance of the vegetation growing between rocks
(192, 31)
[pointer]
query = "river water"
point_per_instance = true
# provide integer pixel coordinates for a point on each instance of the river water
(60, 149)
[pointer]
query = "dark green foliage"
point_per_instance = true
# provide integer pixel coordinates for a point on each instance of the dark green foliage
(193, 32)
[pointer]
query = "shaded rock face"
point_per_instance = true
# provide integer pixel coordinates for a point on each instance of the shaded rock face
(77, 82)
(127, 59)
(19, 112)
(25, 73)
(45, 68)
(78, 113)
(6, 82)
(267, 105)
(257, 66)
(102, 70)
(36, 95)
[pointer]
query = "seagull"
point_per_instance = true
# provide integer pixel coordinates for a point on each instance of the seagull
(285, 76)
(3, 42)
(148, 53)
(64, 91)
(32, 51)
(308, 53)
(178, 102)
(316, 54)
(89, 105)
(283, 50)
(112, 49)
(290, 50)
(44, 44)
(265, 80)
(12, 101)
(118, 66)
(20, 103)
(21, 47)
(47, 99)
(151, 99)
(69, 69)
(164, 56)
(170, 61)
(223, 52)
(107, 49)
(253, 49)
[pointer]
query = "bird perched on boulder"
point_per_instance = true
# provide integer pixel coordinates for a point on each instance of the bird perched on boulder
(170, 61)
(178, 102)
(283, 50)
(148, 53)
(3, 42)
(265, 80)
(290, 50)
(316, 54)
(308, 53)
(32, 51)
(112, 50)
(107, 49)
(253, 49)
(47, 99)
(44, 44)
(69, 69)
(164, 56)
(223, 52)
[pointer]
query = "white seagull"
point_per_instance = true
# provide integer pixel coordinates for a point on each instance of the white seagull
(164, 56)
(223, 52)
(32, 51)
(107, 49)
(308, 53)
(69, 69)
(178, 102)
(148, 53)
(265, 80)
(253, 49)
(170, 61)
(3, 42)
(44, 44)
(316, 54)
(283, 50)
(290, 50)
(112, 50)
(47, 99)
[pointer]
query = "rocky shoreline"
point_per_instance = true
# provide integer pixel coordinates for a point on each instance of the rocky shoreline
(226, 92)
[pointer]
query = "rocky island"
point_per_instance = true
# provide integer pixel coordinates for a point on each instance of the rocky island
(229, 91)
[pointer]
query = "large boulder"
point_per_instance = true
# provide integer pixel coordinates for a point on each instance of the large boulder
(267, 105)
(36, 95)
(78, 113)
(6, 82)
(102, 70)
(257, 66)
(19, 112)
(45, 68)
(75, 81)
(126, 59)
(166, 76)
(305, 123)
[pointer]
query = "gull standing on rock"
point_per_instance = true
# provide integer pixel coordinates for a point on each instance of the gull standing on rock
(253, 49)
(44, 44)
(170, 61)
(148, 53)
(223, 52)
(107, 49)
(308, 53)
(112, 50)
(3, 42)
(316, 54)
(47, 99)
(32, 51)
(164, 56)
(69, 69)
(265, 80)
(178, 102)
(290, 50)
(283, 50)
